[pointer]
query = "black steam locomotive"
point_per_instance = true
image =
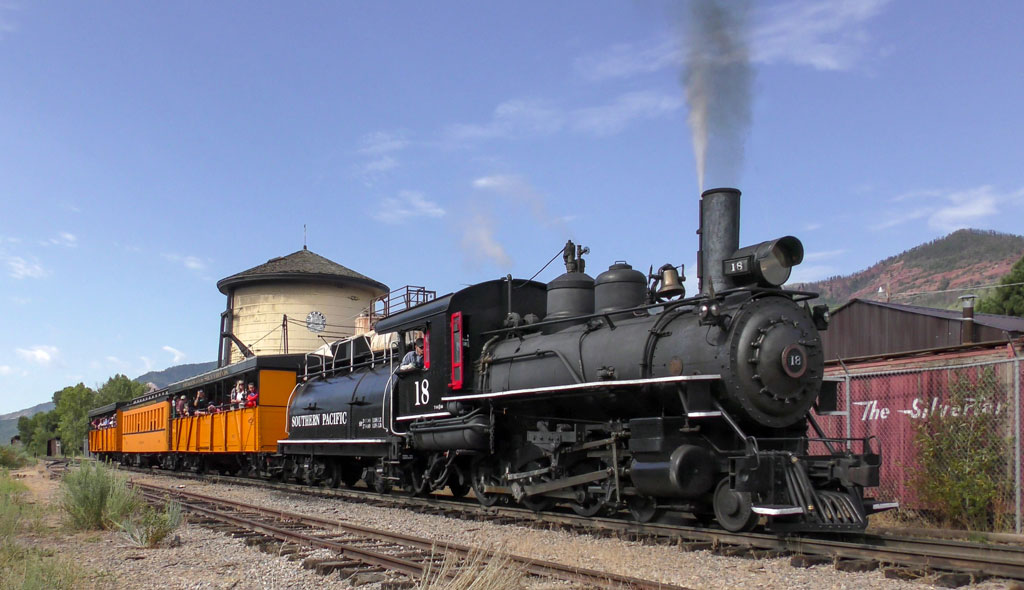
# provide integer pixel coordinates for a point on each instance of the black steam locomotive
(603, 395)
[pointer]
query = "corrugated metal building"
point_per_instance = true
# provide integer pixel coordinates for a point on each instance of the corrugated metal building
(863, 328)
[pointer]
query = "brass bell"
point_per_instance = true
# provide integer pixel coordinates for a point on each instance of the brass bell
(671, 286)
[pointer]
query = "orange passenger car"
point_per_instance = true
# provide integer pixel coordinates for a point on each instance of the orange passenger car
(104, 435)
(176, 428)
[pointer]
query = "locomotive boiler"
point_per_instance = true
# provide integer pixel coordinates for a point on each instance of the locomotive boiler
(603, 395)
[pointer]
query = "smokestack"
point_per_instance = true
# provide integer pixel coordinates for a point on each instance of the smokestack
(967, 322)
(719, 236)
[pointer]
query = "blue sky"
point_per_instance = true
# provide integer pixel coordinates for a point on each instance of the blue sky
(149, 149)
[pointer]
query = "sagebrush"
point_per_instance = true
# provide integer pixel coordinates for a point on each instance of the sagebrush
(95, 496)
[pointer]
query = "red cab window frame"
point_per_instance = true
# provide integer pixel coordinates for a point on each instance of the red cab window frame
(458, 362)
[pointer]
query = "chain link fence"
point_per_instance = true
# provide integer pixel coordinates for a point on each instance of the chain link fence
(950, 438)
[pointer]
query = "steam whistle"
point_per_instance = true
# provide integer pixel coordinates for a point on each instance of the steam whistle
(573, 257)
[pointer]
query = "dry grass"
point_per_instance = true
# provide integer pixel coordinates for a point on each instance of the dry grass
(26, 568)
(476, 572)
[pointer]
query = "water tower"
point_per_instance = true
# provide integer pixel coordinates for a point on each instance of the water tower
(291, 304)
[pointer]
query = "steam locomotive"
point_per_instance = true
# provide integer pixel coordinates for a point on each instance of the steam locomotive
(607, 394)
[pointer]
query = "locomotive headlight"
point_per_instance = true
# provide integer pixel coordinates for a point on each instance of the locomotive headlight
(768, 264)
(703, 310)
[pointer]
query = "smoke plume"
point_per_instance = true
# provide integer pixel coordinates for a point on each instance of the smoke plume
(718, 81)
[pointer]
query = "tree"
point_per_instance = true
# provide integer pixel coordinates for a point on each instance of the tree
(38, 429)
(118, 388)
(1007, 300)
(72, 415)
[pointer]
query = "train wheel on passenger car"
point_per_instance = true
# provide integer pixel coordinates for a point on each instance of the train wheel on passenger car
(733, 510)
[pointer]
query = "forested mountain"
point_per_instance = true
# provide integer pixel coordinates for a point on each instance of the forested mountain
(964, 258)
(176, 373)
(9, 422)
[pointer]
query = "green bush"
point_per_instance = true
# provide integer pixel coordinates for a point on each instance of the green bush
(962, 474)
(95, 496)
(13, 457)
(24, 568)
(11, 509)
(148, 527)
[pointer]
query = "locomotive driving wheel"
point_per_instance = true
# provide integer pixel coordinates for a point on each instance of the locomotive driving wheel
(733, 510)
(536, 503)
(481, 477)
(587, 504)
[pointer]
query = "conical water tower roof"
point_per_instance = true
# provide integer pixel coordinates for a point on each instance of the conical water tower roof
(303, 266)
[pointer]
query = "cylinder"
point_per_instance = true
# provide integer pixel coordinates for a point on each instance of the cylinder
(719, 236)
(688, 472)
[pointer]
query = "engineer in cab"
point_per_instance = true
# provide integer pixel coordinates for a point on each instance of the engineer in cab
(413, 360)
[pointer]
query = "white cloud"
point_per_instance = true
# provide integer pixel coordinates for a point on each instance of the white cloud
(824, 255)
(382, 164)
(6, 370)
(147, 365)
(65, 239)
(6, 22)
(809, 274)
(21, 300)
(512, 119)
(41, 355)
(829, 35)
(382, 142)
(407, 205)
(379, 150)
(965, 208)
(523, 119)
(824, 35)
(625, 60)
(613, 118)
(812, 226)
(893, 219)
(178, 355)
(19, 268)
(947, 210)
(480, 244)
(189, 262)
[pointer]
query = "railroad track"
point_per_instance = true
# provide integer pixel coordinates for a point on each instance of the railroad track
(56, 467)
(952, 561)
(364, 549)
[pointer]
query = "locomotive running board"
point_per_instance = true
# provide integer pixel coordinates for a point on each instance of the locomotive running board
(577, 387)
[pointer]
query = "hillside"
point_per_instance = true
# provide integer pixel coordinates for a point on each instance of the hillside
(963, 258)
(176, 373)
(9, 422)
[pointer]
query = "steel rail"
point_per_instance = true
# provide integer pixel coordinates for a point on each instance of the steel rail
(537, 567)
(1005, 559)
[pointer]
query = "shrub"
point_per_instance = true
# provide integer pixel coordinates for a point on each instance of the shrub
(962, 472)
(13, 457)
(10, 506)
(35, 569)
(95, 496)
(148, 527)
